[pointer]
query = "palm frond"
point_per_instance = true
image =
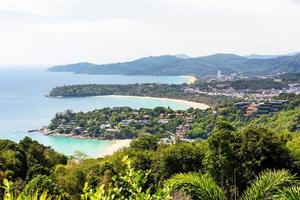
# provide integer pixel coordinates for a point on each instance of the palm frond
(268, 184)
(197, 186)
(291, 193)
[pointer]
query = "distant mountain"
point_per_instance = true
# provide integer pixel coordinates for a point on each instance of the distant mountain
(258, 56)
(77, 68)
(183, 56)
(174, 65)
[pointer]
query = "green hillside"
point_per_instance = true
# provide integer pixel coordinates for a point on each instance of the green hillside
(173, 65)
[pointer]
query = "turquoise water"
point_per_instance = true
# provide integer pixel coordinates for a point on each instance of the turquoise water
(23, 105)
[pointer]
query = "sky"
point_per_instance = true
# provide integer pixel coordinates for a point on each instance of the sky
(51, 32)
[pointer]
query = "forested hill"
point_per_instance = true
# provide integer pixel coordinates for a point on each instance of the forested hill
(144, 90)
(175, 65)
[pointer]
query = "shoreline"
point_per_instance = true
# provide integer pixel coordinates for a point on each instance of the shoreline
(116, 146)
(192, 104)
(190, 79)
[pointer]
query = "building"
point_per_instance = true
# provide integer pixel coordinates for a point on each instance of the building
(219, 75)
(189, 120)
(250, 109)
(181, 130)
(243, 106)
(105, 126)
(269, 107)
(163, 121)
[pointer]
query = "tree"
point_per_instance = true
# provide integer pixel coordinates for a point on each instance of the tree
(148, 142)
(128, 184)
(199, 187)
(236, 157)
(9, 194)
(38, 185)
(12, 163)
(221, 158)
(179, 158)
(268, 185)
(294, 147)
(40, 159)
(12, 160)
(291, 193)
(79, 156)
(258, 149)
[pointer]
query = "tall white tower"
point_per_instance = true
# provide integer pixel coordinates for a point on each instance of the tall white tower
(219, 75)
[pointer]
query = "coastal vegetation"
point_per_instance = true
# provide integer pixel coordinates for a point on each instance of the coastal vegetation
(128, 123)
(253, 84)
(290, 77)
(215, 93)
(144, 90)
(29, 165)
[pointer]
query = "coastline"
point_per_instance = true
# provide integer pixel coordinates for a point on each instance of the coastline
(192, 104)
(190, 79)
(116, 146)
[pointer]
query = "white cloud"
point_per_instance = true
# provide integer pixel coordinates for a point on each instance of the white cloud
(63, 31)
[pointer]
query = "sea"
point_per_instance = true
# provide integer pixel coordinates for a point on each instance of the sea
(24, 105)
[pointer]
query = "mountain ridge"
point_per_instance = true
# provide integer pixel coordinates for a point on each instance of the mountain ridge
(198, 66)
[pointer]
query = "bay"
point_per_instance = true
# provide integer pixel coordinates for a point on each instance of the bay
(24, 106)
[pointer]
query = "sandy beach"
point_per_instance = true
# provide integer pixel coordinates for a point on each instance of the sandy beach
(191, 79)
(117, 145)
(201, 106)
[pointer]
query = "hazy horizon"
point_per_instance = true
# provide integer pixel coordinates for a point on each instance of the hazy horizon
(44, 33)
(46, 66)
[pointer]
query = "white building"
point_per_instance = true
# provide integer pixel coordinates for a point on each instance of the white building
(219, 75)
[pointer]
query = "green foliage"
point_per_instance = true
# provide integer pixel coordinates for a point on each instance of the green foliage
(294, 147)
(199, 187)
(10, 195)
(236, 157)
(221, 158)
(40, 159)
(147, 142)
(125, 123)
(293, 99)
(144, 90)
(27, 159)
(257, 150)
(281, 122)
(13, 159)
(131, 123)
(290, 77)
(255, 84)
(129, 184)
(38, 185)
(79, 156)
(291, 193)
(72, 177)
(179, 158)
(271, 184)
(268, 185)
